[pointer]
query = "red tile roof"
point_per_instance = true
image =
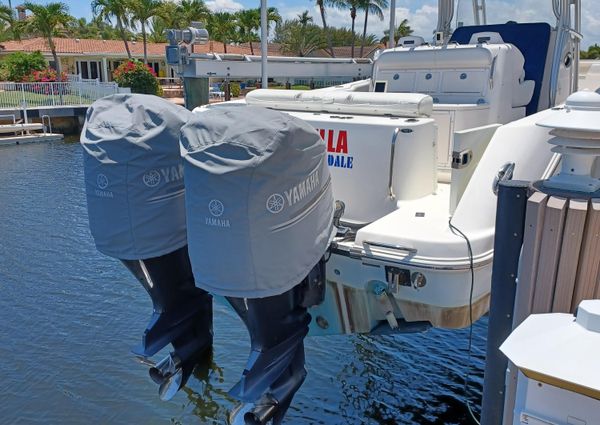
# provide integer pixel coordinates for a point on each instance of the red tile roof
(73, 46)
(84, 46)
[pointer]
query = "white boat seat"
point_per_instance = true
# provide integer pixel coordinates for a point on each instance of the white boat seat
(363, 103)
(411, 41)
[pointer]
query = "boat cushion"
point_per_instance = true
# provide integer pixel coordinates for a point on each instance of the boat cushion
(134, 175)
(258, 199)
(344, 102)
(532, 40)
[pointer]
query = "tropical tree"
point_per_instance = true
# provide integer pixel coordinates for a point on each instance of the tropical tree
(321, 4)
(272, 16)
(47, 20)
(141, 12)
(353, 6)
(304, 18)
(300, 39)
(117, 10)
(403, 30)
(190, 11)
(11, 27)
(593, 52)
(222, 27)
(374, 7)
(248, 23)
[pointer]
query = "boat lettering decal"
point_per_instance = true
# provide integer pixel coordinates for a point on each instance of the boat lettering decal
(300, 191)
(337, 148)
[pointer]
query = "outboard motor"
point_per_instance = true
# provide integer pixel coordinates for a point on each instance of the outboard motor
(136, 207)
(260, 216)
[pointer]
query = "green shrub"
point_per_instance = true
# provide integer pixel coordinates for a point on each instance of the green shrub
(137, 76)
(18, 65)
(235, 89)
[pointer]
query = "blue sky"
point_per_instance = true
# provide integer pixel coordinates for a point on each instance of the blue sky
(422, 14)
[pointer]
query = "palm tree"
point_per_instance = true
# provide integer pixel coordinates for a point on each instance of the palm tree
(222, 26)
(248, 23)
(142, 11)
(7, 16)
(353, 5)
(272, 16)
(117, 9)
(46, 20)
(300, 40)
(321, 4)
(192, 10)
(403, 30)
(376, 8)
(304, 18)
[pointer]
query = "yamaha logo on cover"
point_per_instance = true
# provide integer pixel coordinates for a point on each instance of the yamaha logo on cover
(216, 208)
(102, 181)
(275, 203)
(151, 178)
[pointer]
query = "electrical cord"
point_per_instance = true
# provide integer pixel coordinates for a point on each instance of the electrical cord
(456, 230)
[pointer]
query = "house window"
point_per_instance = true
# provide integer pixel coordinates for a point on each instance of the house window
(94, 69)
(90, 69)
(155, 66)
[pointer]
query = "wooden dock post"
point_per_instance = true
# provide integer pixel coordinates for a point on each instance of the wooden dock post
(560, 264)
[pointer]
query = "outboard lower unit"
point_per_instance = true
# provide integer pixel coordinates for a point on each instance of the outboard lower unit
(136, 207)
(260, 218)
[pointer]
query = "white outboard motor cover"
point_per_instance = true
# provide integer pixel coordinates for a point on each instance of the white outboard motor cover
(134, 175)
(258, 199)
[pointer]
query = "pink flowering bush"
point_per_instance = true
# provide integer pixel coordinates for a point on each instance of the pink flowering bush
(138, 76)
(44, 76)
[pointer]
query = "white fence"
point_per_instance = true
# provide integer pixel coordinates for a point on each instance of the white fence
(69, 93)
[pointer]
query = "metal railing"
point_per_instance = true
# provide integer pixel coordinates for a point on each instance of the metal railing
(69, 93)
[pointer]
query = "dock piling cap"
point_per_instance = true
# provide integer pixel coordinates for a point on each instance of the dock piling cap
(588, 315)
(580, 112)
(558, 350)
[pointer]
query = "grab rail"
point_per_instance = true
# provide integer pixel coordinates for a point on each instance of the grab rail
(390, 188)
(14, 119)
(407, 249)
(49, 124)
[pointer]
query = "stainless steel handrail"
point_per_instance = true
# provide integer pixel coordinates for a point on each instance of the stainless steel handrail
(407, 249)
(393, 151)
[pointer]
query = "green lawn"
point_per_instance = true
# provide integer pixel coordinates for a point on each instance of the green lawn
(13, 99)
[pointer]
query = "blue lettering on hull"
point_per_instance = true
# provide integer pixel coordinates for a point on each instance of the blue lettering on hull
(340, 161)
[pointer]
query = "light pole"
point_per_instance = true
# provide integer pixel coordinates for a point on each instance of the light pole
(264, 26)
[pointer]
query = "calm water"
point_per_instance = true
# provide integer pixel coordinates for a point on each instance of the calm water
(69, 316)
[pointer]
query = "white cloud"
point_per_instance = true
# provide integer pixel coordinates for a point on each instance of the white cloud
(422, 15)
(224, 5)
